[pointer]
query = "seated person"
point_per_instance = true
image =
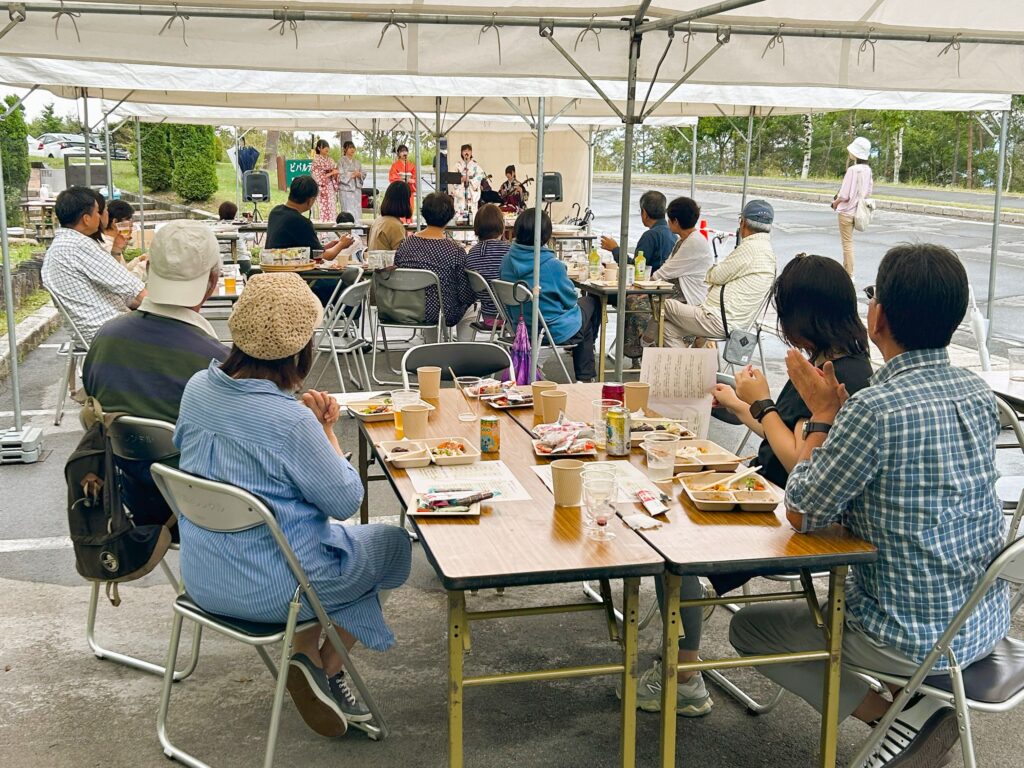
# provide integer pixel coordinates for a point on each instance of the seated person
(388, 230)
(291, 458)
(690, 258)
(355, 249)
(288, 228)
(226, 214)
(139, 363)
(431, 249)
(91, 286)
(512, 192)
(487, 254)
(907, 464)
(571, 320)
(744, 276)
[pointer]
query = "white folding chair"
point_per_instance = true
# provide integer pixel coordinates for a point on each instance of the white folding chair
(76, 349)
(994, 683)
(223, 508)
(483, 290)
(387, 286)
(143, 440)
(518, 295)
(466, 358)
(1011, 487)
(340, 337)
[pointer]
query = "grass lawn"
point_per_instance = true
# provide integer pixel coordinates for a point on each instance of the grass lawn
(28, 305)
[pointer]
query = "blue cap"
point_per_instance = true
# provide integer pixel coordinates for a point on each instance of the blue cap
(760, 211)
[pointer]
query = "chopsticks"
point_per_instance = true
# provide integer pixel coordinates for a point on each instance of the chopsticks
(726, 481)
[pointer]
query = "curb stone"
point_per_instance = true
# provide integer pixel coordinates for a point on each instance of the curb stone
(30, 333)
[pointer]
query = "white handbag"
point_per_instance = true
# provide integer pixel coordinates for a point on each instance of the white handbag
(862, 216)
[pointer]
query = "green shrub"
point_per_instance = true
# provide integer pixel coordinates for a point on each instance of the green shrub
(14, 146)
(157, 163)
(194, 177)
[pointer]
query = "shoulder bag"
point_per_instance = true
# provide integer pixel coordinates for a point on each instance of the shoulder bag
(739, 345)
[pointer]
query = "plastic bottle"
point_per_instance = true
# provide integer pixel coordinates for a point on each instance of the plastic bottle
(595, 264)
(640, 264)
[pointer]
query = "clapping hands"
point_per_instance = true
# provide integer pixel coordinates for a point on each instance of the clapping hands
(819, 388)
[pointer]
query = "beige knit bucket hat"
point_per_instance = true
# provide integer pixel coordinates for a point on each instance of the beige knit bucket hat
(275, 316)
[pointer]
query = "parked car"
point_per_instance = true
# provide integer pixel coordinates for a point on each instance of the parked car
(119, 153)
(60, 144)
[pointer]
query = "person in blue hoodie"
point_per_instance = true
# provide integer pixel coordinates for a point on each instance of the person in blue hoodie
(572, 319)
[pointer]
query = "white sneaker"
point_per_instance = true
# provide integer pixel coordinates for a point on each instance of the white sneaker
(692, 698)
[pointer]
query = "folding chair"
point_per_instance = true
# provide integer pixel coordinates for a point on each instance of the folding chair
(223, 508)
(482, 288)
(340, 335)
(406, 283)
(1011, 487)
(518, 295)
(466, 358)
(76, 349)
(994, 683)
(136, 439)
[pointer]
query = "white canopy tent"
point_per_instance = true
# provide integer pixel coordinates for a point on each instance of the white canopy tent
(874, 45)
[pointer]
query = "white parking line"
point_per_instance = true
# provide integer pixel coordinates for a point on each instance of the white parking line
(10, 414)
(29, 545)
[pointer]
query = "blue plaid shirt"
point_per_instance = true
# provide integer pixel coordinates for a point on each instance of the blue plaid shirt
(910, 467)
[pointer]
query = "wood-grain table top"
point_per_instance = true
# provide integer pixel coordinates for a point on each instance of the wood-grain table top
(607, 290)
(513, 543)
(695, 542)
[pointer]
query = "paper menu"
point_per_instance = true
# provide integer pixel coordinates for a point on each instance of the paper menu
(493, 476)
(630, 479)
(681, 381)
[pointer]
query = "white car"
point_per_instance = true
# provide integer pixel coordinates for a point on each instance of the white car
(60, 144)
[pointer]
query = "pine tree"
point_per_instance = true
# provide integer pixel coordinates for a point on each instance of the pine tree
(193, 149)
(157, 162)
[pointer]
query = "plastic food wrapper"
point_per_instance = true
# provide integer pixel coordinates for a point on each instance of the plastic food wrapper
(565, 437)
(489, 387)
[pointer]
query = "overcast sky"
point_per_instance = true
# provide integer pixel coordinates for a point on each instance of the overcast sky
(34, 104)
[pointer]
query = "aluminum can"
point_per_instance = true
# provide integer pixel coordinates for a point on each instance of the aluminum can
(617, 442)
(614, 390)
(490, 434)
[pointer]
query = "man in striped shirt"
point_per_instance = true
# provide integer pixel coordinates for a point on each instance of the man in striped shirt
(139, 363)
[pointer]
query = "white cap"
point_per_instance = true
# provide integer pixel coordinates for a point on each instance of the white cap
(181, 258)
(860, 148)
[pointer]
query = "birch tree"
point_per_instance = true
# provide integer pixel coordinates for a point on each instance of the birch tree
(805, 170)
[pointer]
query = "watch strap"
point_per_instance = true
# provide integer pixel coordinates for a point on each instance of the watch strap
(810, 427)
(762, 408)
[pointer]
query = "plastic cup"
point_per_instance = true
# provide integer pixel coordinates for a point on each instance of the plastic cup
(469, 408)
(1016, 358)
(636, 395)
(230, 284)
(429, 377)
(538, 387)
(567, 482)
(553, 402)
(661, 456)
(601, 408)
(414, 418)
(400, 399)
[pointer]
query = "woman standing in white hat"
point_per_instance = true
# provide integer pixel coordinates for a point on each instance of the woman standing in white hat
(857, 186)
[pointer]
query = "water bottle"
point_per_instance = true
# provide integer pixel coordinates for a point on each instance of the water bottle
(640, 265)
(595, 264)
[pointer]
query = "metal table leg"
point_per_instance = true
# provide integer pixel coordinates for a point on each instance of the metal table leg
(457, 624)
(630, 632)
(669, 668)
(364, 474)
(834, 629)
(661, 321)
(602, 351)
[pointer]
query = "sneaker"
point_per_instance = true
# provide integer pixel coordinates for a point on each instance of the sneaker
(709, 593)
(355, 711)
(692, 698)
(311, 693)
(921, 736)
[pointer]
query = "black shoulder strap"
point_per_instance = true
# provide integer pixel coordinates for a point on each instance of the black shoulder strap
(721, 302)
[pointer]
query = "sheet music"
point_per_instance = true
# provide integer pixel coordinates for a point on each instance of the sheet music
(629, 478)
(681, 381)
(494, 476)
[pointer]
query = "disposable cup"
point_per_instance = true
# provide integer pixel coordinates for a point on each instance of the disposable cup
(637, 393)
(538, 387)
(414, 421)
(567, 482)
(429, 377)
(553, 402)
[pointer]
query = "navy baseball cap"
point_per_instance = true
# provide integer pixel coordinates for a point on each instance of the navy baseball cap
(760, 211)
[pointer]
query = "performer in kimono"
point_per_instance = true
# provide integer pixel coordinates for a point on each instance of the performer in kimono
(351, 182)
(467, 193)
(513, 194)
(325, 173)
(403, 170)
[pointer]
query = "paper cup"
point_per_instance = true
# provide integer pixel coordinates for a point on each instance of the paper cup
(567, 482)
(552, 403)
(637, 394)
(538, 387)
(429, 377)
(414, 421)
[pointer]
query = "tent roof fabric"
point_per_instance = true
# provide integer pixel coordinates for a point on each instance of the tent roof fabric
(766, 43)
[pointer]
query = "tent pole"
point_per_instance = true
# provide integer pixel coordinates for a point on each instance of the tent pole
(746, 161)
(142, 199)
(373, 163)
(238, 173)
(693, 163)
(537, 244)
(997, 214)
(627, 179)
(417, 168)
(85, 131)
(437, 143)
(110, 165)
(590, 166)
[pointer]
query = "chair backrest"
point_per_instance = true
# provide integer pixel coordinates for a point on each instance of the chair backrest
(512, 294)
(138, 439)
(354, 295)
(395, 294)
(1008, 416)
(406, 279)
(76, 335)
(466, 358)
(351, 274)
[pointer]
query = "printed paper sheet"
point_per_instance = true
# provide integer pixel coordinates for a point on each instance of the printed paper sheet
(494, 476)
(630, 478)
(681, 382)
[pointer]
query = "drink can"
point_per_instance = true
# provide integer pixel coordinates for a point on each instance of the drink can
(617, 440)
(614, 390)
(490, 434)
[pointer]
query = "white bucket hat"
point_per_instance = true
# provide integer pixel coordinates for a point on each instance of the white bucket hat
(181, 257)
(860, 148)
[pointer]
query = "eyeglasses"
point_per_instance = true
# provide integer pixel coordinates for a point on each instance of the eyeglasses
(870, 292)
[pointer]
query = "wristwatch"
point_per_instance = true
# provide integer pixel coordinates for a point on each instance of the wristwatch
(815, 426)
(762, 408)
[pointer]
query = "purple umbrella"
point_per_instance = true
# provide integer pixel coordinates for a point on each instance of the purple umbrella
(521, 353)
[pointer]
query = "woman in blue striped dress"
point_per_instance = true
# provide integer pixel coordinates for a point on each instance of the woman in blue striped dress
(241, 424)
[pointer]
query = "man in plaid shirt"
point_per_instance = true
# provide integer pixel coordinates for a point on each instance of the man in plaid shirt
(907, 464)
(91, 284)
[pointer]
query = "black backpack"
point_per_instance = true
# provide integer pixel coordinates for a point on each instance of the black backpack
(108, 546)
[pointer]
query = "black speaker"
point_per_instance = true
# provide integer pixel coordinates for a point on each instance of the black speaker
(551, 191)
(255, 186)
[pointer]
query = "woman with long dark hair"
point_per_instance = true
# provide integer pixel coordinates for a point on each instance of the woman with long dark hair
(325, 172)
